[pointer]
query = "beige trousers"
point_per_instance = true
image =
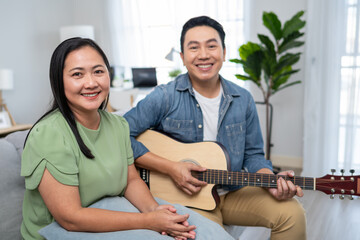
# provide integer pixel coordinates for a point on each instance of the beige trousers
(254, 206)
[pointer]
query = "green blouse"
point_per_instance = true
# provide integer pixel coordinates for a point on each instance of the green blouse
(51, 144)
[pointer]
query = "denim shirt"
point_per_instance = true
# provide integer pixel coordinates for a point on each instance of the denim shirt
(173, 109)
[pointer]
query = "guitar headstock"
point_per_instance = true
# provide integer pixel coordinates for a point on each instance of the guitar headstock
(339, 184)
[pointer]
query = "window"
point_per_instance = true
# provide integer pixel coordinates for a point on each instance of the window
(349, 127)
(145, 32)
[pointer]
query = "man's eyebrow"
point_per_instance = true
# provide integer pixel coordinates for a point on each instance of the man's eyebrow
(212, 40)
(192, 42)
(208, 41)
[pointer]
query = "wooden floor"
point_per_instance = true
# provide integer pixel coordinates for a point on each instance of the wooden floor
(330, 219)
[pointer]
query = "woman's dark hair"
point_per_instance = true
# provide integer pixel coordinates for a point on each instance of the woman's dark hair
(57, 84)
(202, 21)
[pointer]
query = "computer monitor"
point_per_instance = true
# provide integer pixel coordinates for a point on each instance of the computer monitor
(144, 77)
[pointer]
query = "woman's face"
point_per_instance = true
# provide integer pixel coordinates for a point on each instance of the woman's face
(86, 80)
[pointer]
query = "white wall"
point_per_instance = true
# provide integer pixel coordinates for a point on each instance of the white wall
(30, 33)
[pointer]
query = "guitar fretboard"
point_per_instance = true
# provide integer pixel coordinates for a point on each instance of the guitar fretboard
(223, 177)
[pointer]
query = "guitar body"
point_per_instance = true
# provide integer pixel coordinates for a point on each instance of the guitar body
(207, 154)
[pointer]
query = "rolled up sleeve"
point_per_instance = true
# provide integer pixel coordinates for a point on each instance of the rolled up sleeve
(146, 115)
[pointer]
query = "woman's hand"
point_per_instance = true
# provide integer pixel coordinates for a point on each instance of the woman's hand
(181, 175)
(185, 223)
(166, 221)
(285, 189)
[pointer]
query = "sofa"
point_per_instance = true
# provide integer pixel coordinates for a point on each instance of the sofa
(12, 188)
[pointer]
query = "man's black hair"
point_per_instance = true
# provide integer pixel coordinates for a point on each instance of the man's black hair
(202, 21)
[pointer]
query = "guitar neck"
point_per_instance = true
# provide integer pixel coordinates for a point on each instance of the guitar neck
(223, 177)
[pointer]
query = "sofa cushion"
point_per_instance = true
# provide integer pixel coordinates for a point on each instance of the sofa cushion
(12, 187)
(17, 139)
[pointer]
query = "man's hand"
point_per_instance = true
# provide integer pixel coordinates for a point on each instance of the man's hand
(285, 189)
(181, 175)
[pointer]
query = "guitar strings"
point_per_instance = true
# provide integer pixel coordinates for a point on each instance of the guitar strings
(225, 177)
(253, 179)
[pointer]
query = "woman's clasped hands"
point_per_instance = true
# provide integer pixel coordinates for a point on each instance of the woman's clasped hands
(165, 220)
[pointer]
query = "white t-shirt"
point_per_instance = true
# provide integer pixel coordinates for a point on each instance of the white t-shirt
(210, 110)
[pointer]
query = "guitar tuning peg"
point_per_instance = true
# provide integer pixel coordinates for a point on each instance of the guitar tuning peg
(351, 197)
(342, 197)
(332, 196)
(352, 172)
(342, 172)
(333, 171)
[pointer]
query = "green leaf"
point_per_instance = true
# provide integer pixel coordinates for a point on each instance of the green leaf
(268, 44)
(287, 72)
(286, 86)
(283, 46)
(235, 60)
(293, 25)
(280, 78)
(268, 64)
(269, 60)
(291, 44)
(246, 78)
(247, 49)
(252, 65)
(271, 22)
(292, 36)
(287, 60)
(243, 77)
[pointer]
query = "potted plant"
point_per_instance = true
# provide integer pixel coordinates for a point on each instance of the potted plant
(174, 73)
(269, 64)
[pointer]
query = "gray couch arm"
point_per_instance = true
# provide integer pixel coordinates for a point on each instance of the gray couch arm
(12, 185)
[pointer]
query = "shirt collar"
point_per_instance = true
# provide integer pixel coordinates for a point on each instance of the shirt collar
(183, 83)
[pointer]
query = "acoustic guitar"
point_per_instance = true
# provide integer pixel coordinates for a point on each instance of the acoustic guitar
(214, 157)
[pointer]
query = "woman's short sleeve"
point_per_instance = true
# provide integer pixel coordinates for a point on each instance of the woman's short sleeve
(48, 147)
(130, 155)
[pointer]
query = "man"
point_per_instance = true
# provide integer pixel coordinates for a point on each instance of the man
(203, 106)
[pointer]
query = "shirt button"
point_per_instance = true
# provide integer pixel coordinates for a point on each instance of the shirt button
(200, 126)
(197, 105)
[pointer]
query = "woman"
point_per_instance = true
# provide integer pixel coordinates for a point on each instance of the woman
(77, 154)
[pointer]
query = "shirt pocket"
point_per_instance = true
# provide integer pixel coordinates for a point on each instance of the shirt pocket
(236, 137)
(179, 129)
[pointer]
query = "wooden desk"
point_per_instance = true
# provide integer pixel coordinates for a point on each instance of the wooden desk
(17, 127)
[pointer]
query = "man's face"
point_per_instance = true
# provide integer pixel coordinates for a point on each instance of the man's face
(203, 54)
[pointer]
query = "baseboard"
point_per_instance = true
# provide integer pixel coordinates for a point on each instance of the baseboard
(287, 161)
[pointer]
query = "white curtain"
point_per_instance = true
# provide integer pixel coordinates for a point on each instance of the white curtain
(349, 137)
(325, 40)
